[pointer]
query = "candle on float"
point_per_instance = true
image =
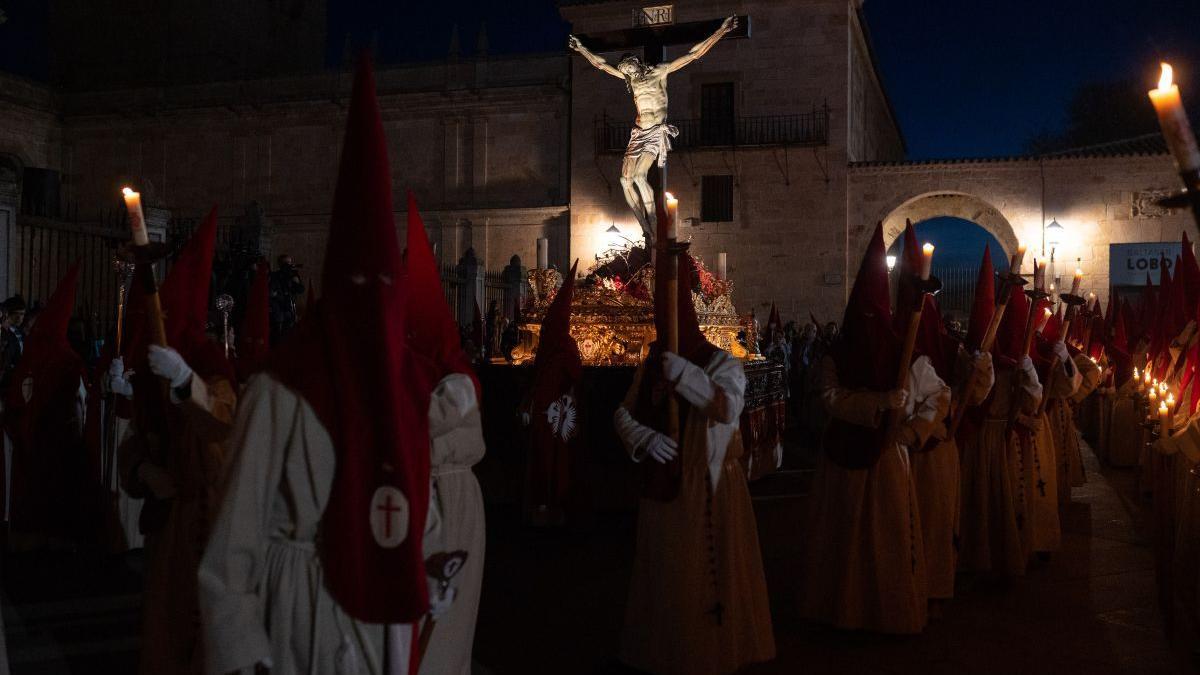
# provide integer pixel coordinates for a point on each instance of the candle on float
(1153, 395)
(1171, 404)
(672, 217)
(1162, 388)
(1173, 119)
(543, 253)
(722, 266)
(926, 261)
(137, 219)
(1076, 281)
(1164, 418)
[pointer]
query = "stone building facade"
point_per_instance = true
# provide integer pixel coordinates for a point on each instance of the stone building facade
(790, 151)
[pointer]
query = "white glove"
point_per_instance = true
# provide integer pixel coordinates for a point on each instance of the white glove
(1027, 366)
(662, 448)
(118, 378)
(525, 418)
(1060, 350)
(169, 365)
(983, 362)
(674, 366)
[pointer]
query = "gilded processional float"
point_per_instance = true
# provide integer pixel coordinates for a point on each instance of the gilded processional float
(612, 322)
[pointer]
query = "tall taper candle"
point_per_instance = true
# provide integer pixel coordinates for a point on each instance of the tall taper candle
(722, 265)
(1174, 121)
(137, 219)
(672, 217)
(543, 253)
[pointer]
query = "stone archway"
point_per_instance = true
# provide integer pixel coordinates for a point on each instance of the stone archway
(955, 204)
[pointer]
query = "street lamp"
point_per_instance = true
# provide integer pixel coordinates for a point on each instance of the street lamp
(1056, 234)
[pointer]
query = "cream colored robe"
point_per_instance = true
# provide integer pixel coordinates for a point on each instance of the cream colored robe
(865, 567)
(937, 477)
(262, 595)
(683, 568)
(1125, 437)
(996, 480)
(1061, 414)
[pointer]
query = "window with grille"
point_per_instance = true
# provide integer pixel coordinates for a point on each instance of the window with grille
(716, 199)
(717, 120)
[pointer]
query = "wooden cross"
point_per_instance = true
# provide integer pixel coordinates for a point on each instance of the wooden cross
(653, 41)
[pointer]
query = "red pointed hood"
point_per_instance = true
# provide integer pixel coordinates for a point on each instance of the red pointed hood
(184, 297)
(935, 342)
(48, 367)
(1010, 335)
(254, 337)
(868, 347)
(350, 358)
(1189, 272)
(774, 323)
(184, 291)
(555, 333)
(437, 341)
(984, 306)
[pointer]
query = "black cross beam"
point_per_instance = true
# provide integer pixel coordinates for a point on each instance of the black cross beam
(653, 41)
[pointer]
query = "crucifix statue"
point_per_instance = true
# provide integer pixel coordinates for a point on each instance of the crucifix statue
(647, 81)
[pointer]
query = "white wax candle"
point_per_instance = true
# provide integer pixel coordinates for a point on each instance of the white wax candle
(722, 266)
(672, 217)
(926, 261)
(543, 253)
(137, 219)
(1174, 121)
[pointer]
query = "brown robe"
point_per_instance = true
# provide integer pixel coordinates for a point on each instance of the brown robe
(865, 567)
(171, 641)
(698, 598)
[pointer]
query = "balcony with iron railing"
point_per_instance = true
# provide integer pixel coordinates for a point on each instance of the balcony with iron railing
(801, 130)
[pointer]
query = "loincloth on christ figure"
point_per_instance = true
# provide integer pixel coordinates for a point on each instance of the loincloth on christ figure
(655, 140)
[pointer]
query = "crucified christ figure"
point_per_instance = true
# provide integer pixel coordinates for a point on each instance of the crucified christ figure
(651, 137)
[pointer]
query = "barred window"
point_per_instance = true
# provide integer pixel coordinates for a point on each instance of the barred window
(716, 199)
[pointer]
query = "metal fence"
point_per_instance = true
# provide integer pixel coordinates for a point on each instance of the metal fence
(803, 129)
(958, 291)
(45, 250)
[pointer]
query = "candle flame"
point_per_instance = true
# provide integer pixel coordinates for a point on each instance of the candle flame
(671, 197)
(1162, 408)
(1168, 76)
(927, 248)
(127, 191)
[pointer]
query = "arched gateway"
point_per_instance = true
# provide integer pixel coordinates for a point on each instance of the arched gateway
(952, 204)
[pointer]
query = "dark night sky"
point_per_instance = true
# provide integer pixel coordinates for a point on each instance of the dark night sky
(966, 77)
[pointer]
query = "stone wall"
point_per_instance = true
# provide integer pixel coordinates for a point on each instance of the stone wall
(480, 142)
(1092, 197)
(29, 125)
(787, 240)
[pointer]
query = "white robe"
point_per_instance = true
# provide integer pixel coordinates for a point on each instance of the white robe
(262, 596)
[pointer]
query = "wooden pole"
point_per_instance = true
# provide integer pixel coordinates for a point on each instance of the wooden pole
(989, 338)
(895, 417)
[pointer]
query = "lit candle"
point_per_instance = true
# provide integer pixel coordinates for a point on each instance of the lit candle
(1162, 388)
(1171, 404)
(137, 219)
(1039, 275)
(672, 217)
(1164, 418)
(1076, 281)
(1174, 121)
(1153, 395)
(722, 266)
(1018, 259)
(926, 261)
(543, 253)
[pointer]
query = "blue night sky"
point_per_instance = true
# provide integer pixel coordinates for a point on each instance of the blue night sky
(965, 78)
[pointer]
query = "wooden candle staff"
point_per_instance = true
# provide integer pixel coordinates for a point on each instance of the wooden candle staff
(926, 284)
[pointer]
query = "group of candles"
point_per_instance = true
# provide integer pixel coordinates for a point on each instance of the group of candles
(1157, 393)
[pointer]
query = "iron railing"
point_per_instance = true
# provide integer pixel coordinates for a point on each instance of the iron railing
(803, 129)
